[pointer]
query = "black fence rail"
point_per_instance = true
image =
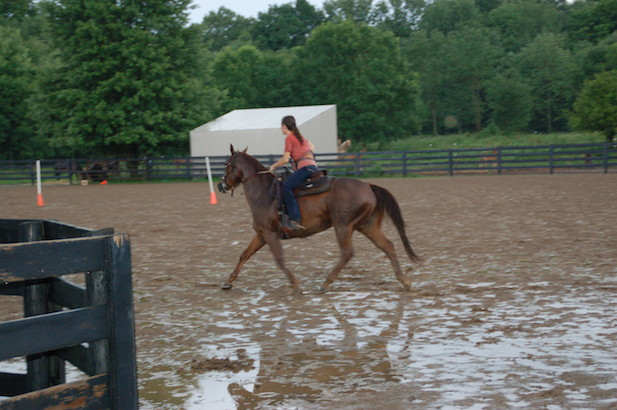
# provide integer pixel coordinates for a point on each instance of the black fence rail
(90, 326)
(536, 159)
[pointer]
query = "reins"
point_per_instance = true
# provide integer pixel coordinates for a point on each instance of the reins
(256, 174)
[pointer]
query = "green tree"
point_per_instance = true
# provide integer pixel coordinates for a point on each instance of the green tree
(592, 20)
(454, 71)
(285, 26)
(360, 69)
(224, 27)
(517, 23)
(470, 60)
(400, 17)
(449, 15)
(595, 107)
(358, 11)
(593, 58)
(550, 70)
(15, 9)
(253, 78)
(425, 51)
(131, 81)
(16, 87)
(509, 99)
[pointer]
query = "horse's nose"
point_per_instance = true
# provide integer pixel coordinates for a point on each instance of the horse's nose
(222, 187)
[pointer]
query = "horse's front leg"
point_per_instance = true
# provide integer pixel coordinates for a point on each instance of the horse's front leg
(256, 244)
(276, 248)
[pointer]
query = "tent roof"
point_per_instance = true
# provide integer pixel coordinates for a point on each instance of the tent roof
(262, 118)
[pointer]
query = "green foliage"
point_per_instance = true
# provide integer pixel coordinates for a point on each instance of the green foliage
(518, 23)
(224, 27)
(593, 20)
(400, 17)
(449, 15)
(454, 70)
(358, 11)
(101, 77)
(509, 98)
(487, 140)
(596, 106)
(598, 57)
(550, 70)
(129, 83)
(286, 26)
(15, 9)
(475, 58)
(17, 74)
(360, 69)
(252, 78)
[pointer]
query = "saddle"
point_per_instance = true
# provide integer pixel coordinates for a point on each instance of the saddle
(319, 182)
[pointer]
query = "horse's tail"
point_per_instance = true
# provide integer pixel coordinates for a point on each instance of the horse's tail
(387, 202)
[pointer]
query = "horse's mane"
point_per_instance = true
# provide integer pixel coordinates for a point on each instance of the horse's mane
(253, 161)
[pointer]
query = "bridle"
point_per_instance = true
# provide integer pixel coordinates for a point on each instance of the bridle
(224, 187)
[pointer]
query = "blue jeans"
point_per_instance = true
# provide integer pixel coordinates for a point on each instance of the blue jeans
(295, 180)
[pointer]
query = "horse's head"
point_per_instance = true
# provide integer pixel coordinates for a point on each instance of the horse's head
(233, 173)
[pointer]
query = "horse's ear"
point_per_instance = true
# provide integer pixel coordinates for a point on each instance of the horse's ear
(231, 148)
(245, 149)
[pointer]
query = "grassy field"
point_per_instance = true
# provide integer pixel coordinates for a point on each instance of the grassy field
(417, 143)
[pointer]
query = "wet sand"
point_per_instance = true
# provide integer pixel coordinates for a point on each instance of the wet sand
(514, 305)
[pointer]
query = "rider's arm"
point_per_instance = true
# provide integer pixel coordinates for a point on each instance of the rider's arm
(284, 160)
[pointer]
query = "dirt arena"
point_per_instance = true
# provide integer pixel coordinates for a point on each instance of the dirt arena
(514, 305)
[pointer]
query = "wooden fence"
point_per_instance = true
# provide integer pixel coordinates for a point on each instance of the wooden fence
(536, 159)
(90, 326)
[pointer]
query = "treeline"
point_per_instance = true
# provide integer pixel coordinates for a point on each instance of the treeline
(126, 78)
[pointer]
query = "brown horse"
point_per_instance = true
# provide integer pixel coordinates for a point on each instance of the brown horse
(349, 205)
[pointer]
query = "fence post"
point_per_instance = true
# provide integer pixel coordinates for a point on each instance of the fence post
(123, 369)
(357, 164)
(450, 162)
(44, 370)
(32, 172)
(405, 163)
(551, 157)
(499, 164)
(605, 157)
(148, 168)
(96, 294)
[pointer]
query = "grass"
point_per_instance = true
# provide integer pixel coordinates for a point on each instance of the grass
(418, 143)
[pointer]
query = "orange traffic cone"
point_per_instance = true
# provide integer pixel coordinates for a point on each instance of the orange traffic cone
(104, 182)
(39, 200)
(213, 198)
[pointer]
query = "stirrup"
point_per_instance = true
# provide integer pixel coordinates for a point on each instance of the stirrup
(295, 226)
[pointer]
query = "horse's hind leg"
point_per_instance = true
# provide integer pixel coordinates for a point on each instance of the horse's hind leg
(343, 236)
(256, 244)
(374, 233)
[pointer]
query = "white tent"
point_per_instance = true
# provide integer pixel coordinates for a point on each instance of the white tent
(259, 130)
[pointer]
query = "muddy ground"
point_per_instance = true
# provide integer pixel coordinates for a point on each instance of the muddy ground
(514, 305)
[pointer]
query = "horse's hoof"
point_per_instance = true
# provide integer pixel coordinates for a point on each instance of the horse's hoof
(297, 291)
(322, 290)
(226, 286)
(407, 287)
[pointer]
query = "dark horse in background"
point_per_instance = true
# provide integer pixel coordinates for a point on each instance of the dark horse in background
(349, 205)
(96, 171)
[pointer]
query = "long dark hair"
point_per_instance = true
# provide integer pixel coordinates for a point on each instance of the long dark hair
(290, 122)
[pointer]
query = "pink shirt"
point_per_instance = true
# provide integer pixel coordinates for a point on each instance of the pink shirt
(297, 150)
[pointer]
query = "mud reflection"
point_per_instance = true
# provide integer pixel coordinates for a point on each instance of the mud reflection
(344, 342)
(263, 351)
